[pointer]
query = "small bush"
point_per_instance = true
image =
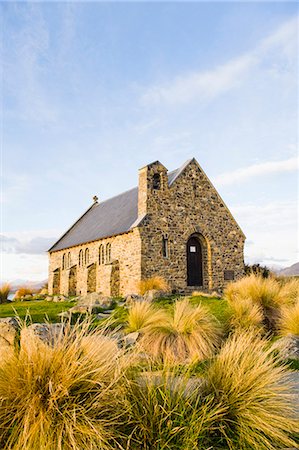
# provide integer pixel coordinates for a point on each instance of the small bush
(257, 269)
(142, 315)
(22, 291)
(4, 292)
(246, 379)
(66, 397)
(245, 315)
(289, 320)
(188, 334)
(157, 283)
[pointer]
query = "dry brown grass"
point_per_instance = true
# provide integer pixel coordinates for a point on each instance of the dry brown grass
(157, 283)
(187, 334)
(4, 292)
(245, 315)
(290, 291)
(289, 320)
(205, 294)
(66, 397)
(142, 315)
(22, 291)
(247, 380)
(263, 291)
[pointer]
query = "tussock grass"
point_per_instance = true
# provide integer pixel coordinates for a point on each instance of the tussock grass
(246, 315)
(142, 315)
(289, 320)
(157, 283)
(22, 291)
(290, 291)
(4, 292)
(64, 396)
(246, 379)
(168, 412)
(263, 291)
(187, 334)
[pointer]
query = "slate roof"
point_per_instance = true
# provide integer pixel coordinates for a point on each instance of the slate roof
(108, 218)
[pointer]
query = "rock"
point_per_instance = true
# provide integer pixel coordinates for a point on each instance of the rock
(8, 332)
(83, 309)
(130, 339)
(27, 297)
(102, 316)
(95, 302)
(44, 291)
(132, 298)
(288, 346)
(55, 299)
(151, 295)
(49, 298)
(40, 333)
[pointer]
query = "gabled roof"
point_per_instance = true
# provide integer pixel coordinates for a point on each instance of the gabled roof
(114, 216)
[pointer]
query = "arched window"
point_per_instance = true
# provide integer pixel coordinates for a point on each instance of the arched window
(108, 252)
(86, 256)
(63, 261)
(101, 254)
(81, 258)
(69, 261)
(156, 181)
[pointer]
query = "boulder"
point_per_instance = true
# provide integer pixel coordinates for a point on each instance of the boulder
(8, 332)
(132, 298)
(27, 297)
(41, 334)
(288, 346)
(130, 339)
(49, 298)
(151, 295)
(95, 302)
(44, 291)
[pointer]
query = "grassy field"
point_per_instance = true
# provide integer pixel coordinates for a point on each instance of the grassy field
(38, 310)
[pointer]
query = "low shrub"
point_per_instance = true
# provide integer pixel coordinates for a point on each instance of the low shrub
(142, 315)
(187, 334)
(257, 269)
(289, 320)
(66, 397)
(206, 294)
(157, 283)
(4, 292)
(246, 379)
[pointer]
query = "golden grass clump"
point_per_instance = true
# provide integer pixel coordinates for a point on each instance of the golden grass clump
(246, 379)
(4, 292)
(263, 291)
(290, 291)
(62, 396)
(188, 334)
(142, 315)
(289, 320)
(156, 283)
(22, 291)
(246, 315)
(168, 411)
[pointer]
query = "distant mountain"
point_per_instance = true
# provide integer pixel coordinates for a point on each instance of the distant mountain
(290, 271)
(16, 284)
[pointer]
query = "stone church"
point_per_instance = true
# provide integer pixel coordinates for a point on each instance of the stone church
(174, 225)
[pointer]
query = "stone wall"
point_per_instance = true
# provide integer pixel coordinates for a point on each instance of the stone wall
(118, 276)
(191, 205)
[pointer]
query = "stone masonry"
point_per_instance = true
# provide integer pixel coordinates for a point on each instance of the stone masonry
(169, 213)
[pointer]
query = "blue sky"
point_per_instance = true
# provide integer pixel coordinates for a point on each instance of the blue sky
(91, 92)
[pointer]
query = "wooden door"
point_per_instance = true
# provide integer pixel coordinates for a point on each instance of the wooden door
(194, 262)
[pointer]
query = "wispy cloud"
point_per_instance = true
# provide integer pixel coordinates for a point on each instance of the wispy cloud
(35, 246)
(255, 170)
(206, 85)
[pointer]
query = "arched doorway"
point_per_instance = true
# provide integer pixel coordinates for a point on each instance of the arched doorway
(194, 262)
